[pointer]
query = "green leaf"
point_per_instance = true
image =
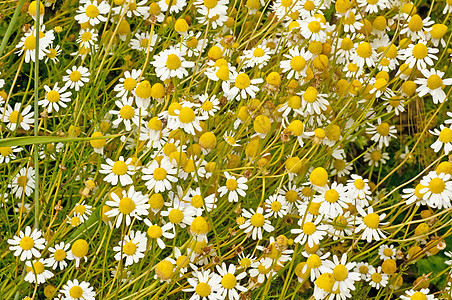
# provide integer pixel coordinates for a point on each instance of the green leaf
(33, 140)
(434, 264)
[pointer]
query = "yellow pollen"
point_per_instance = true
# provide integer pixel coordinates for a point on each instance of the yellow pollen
(129, 84)
(314, 26)
(228, 281)
(383, 129)
(173, 62)
(375, 155)
(30, 43)
(340, 273)
(372, 220)
(420, 51)
(15, 117)
(76, 292)
(80, 248)
(186, 115)
(310, 94)
(80, 209)
(418, 296)
(53, 96)
(297, 63)
(364, 50)
(434, 82)
(436, 185)
(86, 36)
(258, 52)
(231, 184)
(257, 220)
(159, 174)
(126, 206)
(129, 248)
(176, 216)
(127, 112)
(197, 201)
(242, 81)
(92, 11)
(309, 228)
(325, 282)
(203, 289)
(331, 196)
(75, 76)
(314, 261)
(388, 252)
(119, 168)
(376, 277)
(363, 269)
(276, 206)
(59, 255)
(155, 231)
(26, 243)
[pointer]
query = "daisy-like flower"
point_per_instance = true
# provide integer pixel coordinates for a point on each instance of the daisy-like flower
(371, 6)
(176, 5)
(256, 57)
(27, 45)
(179, 213)
(416, 27)
(377, 278)
(119, 170)
(193, 44)
(444, 138)
(159, 176)
(262, 269)
(199, 202)
(23, 182)
(8, 153)
(53, 54)
(352, 21)
(277, 206)
(433, 84)
(344, 277)
(132, 204)
(419, 55)
(187, 120)
(229, 282)
(132, 248)
(230, 139)
(58, 256)
(92, 12)
(315, 264)
(387, 252)
(341, 226)
(87, 37)
(208, 106)
(242, 87)
(420, 294)
(36, 272)
(127, 83)
(363, 55)
(313, 102)
(375, 156)
(15, 118)
(212, 8)
(76, 78)
(295, 65)
(127, 114)
(437, 189)
(82, 210)
(370, 223)
(182, 261)
(364, 268)
(171, 63)
(255, 222)
(358, 190)
(155, 232)
(75, 290)
(310, 231)
(233, 187)
(143, 41)
(134, 8)
(27, 244)
(333, 200)
(55, 98)
(414, 195)
(313, 28)
(382, 133)
(205, 285)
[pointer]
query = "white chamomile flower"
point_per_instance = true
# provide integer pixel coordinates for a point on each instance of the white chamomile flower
(387, 252)
(76, 77)
(127, 83)
(132, 247)
(382, 133)
(277, 206)
(159, 176)
(17, 118)
(27, 244)
(8, 153)
(333, 200)
(256, 57)
(87, 37)
(58, 256)
(233, 187)
(171, 63)
(242, 87)
(230, 286)
(156, 232)
(310, 231)
(417, 294)
(23, 183)
(143, 41)
(118, 171)
(370, 223)
(433, 84)
(92, 12)
(55, 98)
(127, 114)
(295, 65)
(78, 290)
(444, 139)
(256, 222)
(419, 55)
(208, 106)
(36, 272)
(437, 189)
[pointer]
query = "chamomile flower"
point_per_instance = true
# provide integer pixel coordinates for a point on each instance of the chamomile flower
(310, 231)
(156, 232)
(132, 204)
(242, 87)
(363, 55)
(375, 156)
(143, 41)
(433, 84)
(315, 264)
(230, 139)
(132, 247)
(127, 114)
(36, 272)
(256, 222)
(277, 206)
(193, 44)
(187, 120)
(333, 200)
(295, 66)
(58, 256)
(416, 27)
(205, 285)
(17, 118)
(382, 133)
(199, 202)
(377, 278)
(92, 12)
(182, 261)
(83, 211)
(134, 8)
(313, 102)
(8, 153)
(371, 6)
(344, 277)
(27, 45)
(262, 269)
(313, 28)
(23, 182)
(418, 294)
(437, 189)
(87, 38)
(176, 5)
(364, 268)
(444, 139)
(171, 63)
(230, 287)
(233, 187)
(419, 55)
(208, 106)
(387, 252)
(55, 98)
(370, 223)
(179, 213)
(414, 195)
(118, 171)
(27, 244)
(78, 290)
(341, 226)
(127, 83)
(76, 77)
(159, 176)
(258, 56)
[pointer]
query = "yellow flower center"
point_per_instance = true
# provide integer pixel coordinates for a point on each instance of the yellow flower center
(229, 281)
(182, 261)
(434, 82)
(92, 11)
(203, 289)
(5, 151)
(155, 231)
(363, 269)
(193, 42)
(242, 81)
(176, 216)
(76, 292)
(59, 255)
(314, 261)
(75, 221)
(319, 176)
(15, 117)
(372, 220)
(210, 3)
(297, 63)
(291, 196)
(119, 168)
(420, 51)
(257, 220)
(310, 95)
(53, 96)
(347, 44)
(231, 184)
(308, 5)
(22, 181)
(159, 174)
(173, 62)
(418, 296)
(436, 185)
(383, 129)
(286, 3)
(129, 84)
(258, 52)
(186, 115)
(340, 273)
(80, 248)
(199, 226)
(129, 248)
(26, 243)
(388, 252)
(375, 155)
(263, 270)
(197, 201)
(75, 76)
(364, 50)
(164, 269)
(309, 228)
(86, 36)
(376, 277)
(143, 90)
(276, 206)
(415, 23)
(126, 206)
(30, 43)
(38, 268)
(127, 112)
(325, 282)
(245, 262)
(314, 26)
(80, 209)
(207, 106)
(331, 196)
